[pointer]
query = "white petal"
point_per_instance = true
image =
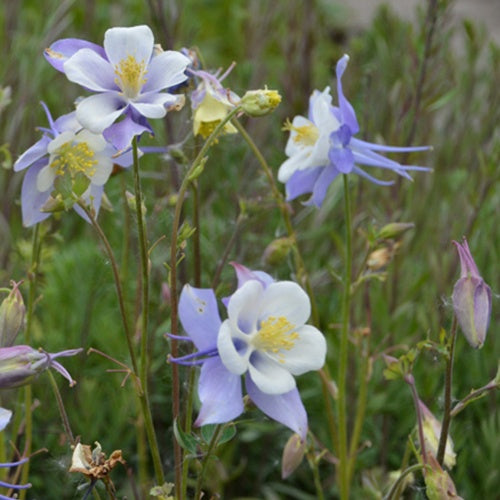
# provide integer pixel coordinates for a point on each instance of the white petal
(292, 146)
(5, 416)
(269, 376)
(90, 70)
(61, 139)
(308, 352)
(99, 111)
(103, 170)
(234, 361)
(299, 161)
(95, 142)
(166, 70)
(286, 299)
(243, 308)
(153, 105)
(45, 178)
(138, 41)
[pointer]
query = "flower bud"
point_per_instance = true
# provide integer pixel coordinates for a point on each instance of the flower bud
(21, 365)
(394, 229)
(439, 485)
(293, 454)
(471, 299)
(277, 251)
(260, 102)
(12, 312)
(432, 434)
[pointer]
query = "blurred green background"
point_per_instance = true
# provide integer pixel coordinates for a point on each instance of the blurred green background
(450, 102)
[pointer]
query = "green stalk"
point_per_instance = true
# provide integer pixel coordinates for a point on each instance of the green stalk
(201, 475)
(174, 319)
(360, 416)
(300, 269)
(28, 397)
(144, 364)
(62, 410)
(146, 411)
(447, 394)
(344, 349)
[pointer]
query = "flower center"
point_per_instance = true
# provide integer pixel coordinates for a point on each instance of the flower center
(274, 335)
(74, 158)
(307, 135)
(130, 76)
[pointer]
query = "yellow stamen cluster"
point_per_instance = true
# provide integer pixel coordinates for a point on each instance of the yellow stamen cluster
(275, 335)
(305, 134)
(130, 75)
(74, 158)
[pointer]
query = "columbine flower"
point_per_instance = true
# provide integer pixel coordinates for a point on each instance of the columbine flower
(21, 364)
(211, 102)
(322, 146)
(128, 74)
(5, 416)
(471, 299)
(265, 338)
(66, 155)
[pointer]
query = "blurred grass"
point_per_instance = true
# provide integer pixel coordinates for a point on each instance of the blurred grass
(291, 46)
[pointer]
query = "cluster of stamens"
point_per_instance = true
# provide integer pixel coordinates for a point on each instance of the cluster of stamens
(74, 158)
(275, 335)
(130, 76)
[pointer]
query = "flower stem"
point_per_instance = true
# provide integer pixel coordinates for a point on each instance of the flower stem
(344, 349)
(143, 374)
(300, 269)
(62, 410)
(447, 394)
(33, 281)
(146, 411)
(174, 319)
(201, 475)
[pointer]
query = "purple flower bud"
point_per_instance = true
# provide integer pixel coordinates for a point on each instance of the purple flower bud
(12, 312)
(21, 364)
(471, 299)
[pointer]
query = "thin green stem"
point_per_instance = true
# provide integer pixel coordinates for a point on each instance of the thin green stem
(360, 415)
(28, 396)
(300, 268)
(344, 349)
(146, 411)
(317, 479)
(447, 394)
(327, 397)
(174, 319)
(201, 475)
(118, 284)
(143, 247)
(62, 410)
(144, 359)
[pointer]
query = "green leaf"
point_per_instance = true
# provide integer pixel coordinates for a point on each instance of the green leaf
(186, 441)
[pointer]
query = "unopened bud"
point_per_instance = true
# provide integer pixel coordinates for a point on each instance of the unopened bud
(260, 102)
(439, 485)
(394, 229)
(471, 299)
(293, 454)
(277, 251)
(432, 434)
(12, 312)
(21, 364)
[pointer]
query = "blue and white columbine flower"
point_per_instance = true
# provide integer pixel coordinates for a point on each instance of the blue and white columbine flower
(128, 74)
(66, 149)
(264, 338)
(322, 146)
